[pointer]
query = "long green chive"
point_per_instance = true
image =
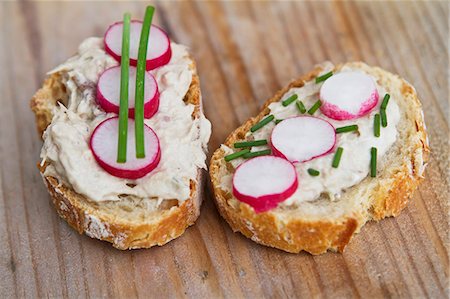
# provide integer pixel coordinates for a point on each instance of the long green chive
(376, 125)
(257, 154)
(324, 77)
(277, 121)
(262, 123)
(250, 143)
(124, 78)
(289, 100)
(315, 107)
(236, 155)
(301, 107)
(140, 79)
(346, 129)
(313, 172)
(383, 118)
(373, 162)
(337, 157)
(385, 101)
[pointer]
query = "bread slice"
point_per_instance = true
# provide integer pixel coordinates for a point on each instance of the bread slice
(322, 225)
(128, 223)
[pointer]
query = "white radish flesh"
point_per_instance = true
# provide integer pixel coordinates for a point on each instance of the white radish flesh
(108, 92)
(104, 141)
(158, 49)
(348, 95)
(264, 182)
(302, 138)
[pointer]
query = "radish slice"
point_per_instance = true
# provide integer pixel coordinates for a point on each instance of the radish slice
(302, 138)
(108, 92)
(348, 95)
(263, 182)
(158, 49)
(104, 147)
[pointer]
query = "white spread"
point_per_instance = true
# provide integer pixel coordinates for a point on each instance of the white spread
(183, 139)
(355, 161)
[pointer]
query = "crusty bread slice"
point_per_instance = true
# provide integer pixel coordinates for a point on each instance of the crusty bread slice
(128, 223)
(322, 224)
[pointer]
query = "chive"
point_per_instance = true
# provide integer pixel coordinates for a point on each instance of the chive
(385, 101)
(250, 143)
(324, 77)
(337, 157)
(315, 107)
(313, 172)
(257, 154)
(262, 123)
(236, 155)
(140, 79)
(124, 78)
(277, 121)
(301, 107)
(373, 162)
(346, 129)
(383, 118)
(376, 125)
(289, 100)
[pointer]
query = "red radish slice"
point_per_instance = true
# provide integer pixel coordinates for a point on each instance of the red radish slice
(103, 145)
(158, 50)
(108, 92)
(302, 138)
(348, 95)
(264, 182)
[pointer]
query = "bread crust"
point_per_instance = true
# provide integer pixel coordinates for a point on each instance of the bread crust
(318, 236)
(82, 214)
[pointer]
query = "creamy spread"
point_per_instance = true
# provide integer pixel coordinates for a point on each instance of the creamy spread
(355, 161)
(183, 139)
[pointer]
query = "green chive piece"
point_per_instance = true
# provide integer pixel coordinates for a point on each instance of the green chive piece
(250, 143)
(385, 101)
(124, 78)
(376, 125)
(314, 108)
(277, 121)
(337, 157)
(289, 100)
(262, 123)
(301, 107)
(346, 129)
(324, 77)
(373, 162)
(383, 118)
(313, 172)
(140, 79)
(236, 155)
(257, 154)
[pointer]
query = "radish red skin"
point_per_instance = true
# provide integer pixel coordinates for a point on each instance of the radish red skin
(334, 112)
(150, 63)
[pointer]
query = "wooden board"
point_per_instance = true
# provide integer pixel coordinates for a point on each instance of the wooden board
(245, 52)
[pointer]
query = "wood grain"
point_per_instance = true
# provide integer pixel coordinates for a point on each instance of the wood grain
(245, 52)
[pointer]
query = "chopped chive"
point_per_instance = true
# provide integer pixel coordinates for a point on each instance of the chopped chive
(301, 107)
(346, 129)
(314, 108)
(236, 155)
(337, 157)
(124, 78)
(262, 123)
(373, 162)
(257, 154)
(385, 101)
(324, 77)
(383, 118)
(289, 100)
(376, 125)
(277, 121)
(140, 74)
(250, 143)
(313, 172)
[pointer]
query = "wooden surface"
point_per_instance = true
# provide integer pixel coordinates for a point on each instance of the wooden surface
(245, 52)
